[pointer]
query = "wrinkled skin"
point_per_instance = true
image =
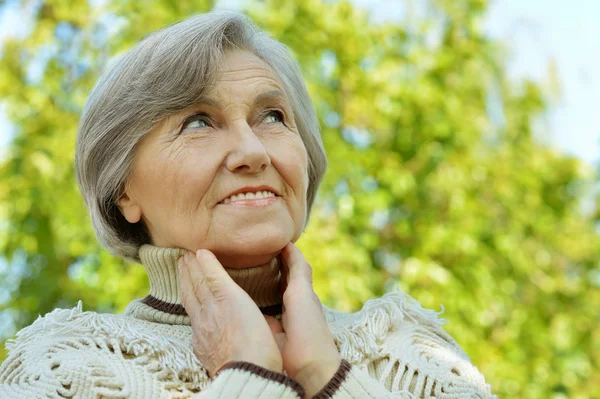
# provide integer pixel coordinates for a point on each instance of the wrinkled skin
(227, 324)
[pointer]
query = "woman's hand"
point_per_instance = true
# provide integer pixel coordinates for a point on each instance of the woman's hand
(307, 348)
(227, 325)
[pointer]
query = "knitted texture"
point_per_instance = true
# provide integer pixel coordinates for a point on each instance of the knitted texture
(334, 385)
(266, 374)
(393, 348)
(248, 384)
(261, 282)
(396, 348)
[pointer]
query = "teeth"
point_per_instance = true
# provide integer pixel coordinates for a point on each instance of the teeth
(248, 196)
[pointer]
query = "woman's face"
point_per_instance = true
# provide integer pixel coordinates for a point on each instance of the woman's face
(240, 139)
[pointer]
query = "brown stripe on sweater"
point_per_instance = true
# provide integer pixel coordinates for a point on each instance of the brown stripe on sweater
(335, 382)
(158, 304)
(177, 309)
(266, 374)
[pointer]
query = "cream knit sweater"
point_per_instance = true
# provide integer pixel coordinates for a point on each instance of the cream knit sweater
(392, 348)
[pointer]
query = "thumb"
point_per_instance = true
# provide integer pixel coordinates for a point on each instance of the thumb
(277, 331)
(274, 325)
(280, 340)
(295, 266)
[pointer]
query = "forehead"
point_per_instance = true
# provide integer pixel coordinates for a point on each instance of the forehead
(240, 60)
(242, 77)
(244, 71)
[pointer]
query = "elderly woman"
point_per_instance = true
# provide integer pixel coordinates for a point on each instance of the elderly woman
(199, 155)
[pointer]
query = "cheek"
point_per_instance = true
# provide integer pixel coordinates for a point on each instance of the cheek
(291, 160)
(176, 179)
(193, 173)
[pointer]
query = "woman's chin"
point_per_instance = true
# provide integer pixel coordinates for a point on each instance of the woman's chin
(244, 261)
(252, 251)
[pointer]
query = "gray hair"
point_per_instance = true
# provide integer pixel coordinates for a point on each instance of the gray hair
(165, 73)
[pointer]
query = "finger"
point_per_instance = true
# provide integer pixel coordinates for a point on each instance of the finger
(302, 305)
(203, 283)
(188, 296)
(285, 276)
(211, 266)
(280, 340)
(209, 278)
(274, 325)
(277, 331)
(297, 266)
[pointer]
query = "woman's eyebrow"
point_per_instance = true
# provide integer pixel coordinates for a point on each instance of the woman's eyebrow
(263, 97)
(206, 100)
(269, 95)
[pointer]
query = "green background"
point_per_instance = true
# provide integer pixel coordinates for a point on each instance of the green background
(437, 185)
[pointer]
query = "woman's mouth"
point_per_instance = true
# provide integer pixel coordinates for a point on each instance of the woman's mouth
(257, 199)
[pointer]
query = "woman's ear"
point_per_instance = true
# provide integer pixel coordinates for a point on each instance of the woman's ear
(130, 208)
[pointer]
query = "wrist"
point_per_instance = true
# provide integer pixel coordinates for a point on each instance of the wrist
(250, 364)
(273, 366)
(313, 378)
(268, 363)
(271, 361)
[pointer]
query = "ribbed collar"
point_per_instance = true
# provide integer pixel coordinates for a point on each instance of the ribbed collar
(163, 303)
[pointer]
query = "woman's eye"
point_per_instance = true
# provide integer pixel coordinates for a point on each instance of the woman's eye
(198, 123)
(195, 122)
(274, 117)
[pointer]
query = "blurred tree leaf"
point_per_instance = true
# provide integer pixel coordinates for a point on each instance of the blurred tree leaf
(439, 180)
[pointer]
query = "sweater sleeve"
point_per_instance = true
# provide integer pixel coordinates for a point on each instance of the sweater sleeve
(249, 381)
(351, 383)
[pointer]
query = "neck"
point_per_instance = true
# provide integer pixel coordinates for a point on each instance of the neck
(163, 303)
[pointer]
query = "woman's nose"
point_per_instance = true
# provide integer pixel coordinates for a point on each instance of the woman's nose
(248, 154)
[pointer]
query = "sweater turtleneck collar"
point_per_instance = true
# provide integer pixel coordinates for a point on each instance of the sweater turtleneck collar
(163, 304)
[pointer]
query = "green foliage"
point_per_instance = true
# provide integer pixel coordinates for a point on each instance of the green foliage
(438, 181)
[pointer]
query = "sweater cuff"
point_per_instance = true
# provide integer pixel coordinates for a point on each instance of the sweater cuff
(247, 378)
(349, 382)
(334, 384)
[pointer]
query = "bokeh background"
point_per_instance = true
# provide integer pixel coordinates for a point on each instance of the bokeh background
(463, 141)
